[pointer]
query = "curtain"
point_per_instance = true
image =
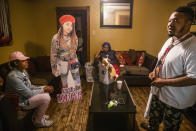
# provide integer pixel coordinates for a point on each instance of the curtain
(5, 33)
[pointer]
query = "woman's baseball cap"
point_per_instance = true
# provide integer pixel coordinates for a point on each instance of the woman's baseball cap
(17, 55)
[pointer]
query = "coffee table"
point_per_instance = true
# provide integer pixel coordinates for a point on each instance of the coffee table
(120, 117)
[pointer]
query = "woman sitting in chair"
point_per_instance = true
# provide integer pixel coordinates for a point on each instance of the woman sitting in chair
(107, 52)
(30, 96)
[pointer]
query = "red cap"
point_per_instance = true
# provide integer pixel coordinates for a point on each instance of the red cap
(66, 18)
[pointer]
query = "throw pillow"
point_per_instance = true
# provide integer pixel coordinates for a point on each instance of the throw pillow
(120, 59)
(140, 59)
(127, 58)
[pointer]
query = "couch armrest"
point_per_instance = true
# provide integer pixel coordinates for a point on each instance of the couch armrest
(150, 62)
(13, 98)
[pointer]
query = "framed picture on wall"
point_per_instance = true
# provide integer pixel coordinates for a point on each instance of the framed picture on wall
(193, 6)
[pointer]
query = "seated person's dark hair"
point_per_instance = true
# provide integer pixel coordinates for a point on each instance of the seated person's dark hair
(187, 11)
(12, 63)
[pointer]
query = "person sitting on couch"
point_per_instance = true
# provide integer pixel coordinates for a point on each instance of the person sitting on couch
(30, 96)
(107, 52)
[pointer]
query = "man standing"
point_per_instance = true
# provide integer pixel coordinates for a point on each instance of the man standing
(174, 77)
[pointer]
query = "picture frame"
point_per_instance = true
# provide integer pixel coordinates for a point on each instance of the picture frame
(193, 6)
(116, 13)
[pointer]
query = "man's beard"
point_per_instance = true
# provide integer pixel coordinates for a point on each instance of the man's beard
(170, 34)
(179, 32)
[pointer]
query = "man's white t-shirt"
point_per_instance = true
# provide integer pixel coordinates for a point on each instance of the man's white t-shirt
(181, 60)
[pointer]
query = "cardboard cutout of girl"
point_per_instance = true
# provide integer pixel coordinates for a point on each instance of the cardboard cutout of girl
(64, 61)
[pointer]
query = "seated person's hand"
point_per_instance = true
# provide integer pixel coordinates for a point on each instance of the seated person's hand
(98, 54)
(100, 50)
(151, 75)
(48, 89)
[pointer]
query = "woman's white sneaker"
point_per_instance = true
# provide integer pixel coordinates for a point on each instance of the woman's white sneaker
(45, 123)
(46, 117)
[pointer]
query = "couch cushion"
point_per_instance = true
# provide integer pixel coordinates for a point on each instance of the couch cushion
(133, 55)
(135, 70)
(122, 71)
(41, 78)
(127, 58)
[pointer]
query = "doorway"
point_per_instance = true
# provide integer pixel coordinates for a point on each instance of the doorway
(82, 26)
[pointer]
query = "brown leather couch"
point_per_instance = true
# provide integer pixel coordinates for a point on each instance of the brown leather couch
(134, 74)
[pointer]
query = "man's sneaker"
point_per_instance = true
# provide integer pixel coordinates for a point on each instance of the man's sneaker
(45, 123)
(46, 117)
